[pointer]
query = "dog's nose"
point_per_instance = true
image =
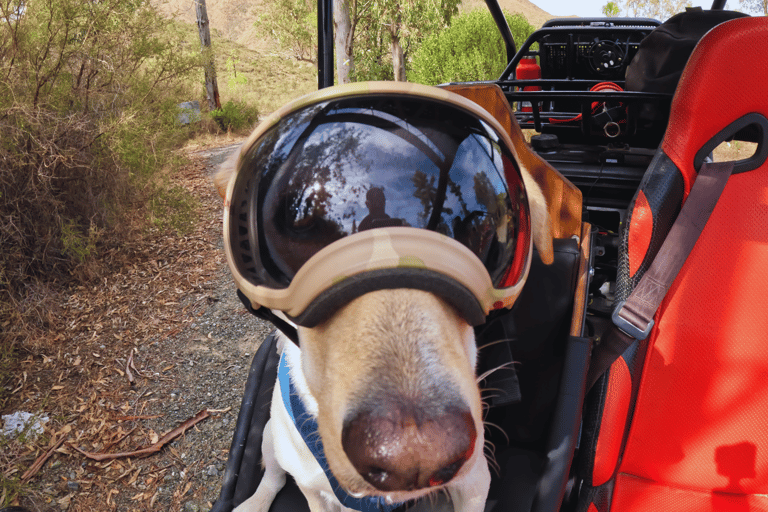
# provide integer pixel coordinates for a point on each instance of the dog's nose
(398, 448)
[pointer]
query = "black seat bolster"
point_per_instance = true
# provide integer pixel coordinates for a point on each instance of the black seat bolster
(661, 189)
(537, 334)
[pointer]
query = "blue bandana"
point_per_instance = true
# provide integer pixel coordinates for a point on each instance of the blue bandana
(307, 427)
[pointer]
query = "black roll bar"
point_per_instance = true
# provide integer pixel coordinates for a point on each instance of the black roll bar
(324, 43)
(501, 23)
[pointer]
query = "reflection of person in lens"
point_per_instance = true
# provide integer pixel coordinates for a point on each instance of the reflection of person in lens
(375, 202)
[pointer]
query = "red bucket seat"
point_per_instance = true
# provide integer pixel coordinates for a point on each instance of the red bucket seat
(680, 422)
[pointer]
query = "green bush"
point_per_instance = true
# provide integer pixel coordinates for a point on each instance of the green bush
(471, 48)
(235, 116)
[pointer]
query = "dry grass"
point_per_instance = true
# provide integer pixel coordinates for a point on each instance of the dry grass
(252, 69)
(256, 73)
(533, 13)
(733, 151)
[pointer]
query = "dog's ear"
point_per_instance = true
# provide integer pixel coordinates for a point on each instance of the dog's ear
(541, 224)
(225, 172)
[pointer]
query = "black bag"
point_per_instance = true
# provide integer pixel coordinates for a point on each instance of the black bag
(662, 55)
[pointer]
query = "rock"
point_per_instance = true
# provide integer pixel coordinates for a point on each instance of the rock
(189, 112)
(23, 422)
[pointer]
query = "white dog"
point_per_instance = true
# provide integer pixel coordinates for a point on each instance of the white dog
(386, 393)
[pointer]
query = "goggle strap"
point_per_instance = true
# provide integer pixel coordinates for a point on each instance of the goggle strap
(287, 329)
(335, 297)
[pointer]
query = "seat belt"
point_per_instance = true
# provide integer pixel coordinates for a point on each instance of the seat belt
(633, 317)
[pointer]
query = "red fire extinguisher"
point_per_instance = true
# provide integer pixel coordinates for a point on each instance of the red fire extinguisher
(528, 69)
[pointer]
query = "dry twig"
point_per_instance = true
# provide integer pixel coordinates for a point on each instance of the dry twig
(35, 467)
(154, 448)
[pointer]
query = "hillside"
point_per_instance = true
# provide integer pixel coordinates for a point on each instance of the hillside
(534, 14)
(233, 19)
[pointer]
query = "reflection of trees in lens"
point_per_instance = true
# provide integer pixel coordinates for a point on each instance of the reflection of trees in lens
(456, 191)
(486, 195)
(425, 190)
(320, 177)
(494, 206)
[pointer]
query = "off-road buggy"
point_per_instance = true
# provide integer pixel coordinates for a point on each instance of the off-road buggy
(673, 415)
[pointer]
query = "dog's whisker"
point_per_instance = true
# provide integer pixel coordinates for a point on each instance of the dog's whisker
(505, 366)
(485, 401)
(490, 393)
(489, 424)
(495, 342)
(489, 451)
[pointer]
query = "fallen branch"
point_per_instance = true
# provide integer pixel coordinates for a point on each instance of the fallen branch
(154, 448)
(35, 467)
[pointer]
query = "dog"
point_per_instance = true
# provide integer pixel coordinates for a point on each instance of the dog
(389, 382)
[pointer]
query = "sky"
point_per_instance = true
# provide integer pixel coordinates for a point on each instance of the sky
(593, 8)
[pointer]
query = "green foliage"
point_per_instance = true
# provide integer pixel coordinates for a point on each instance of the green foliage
(78, 245)
(470, 49)
(10, 488)
(234, 80)
(235, 115)
(379, 27)
(373, 61)
(8, 359)
(386, 24)
(611, 10)
(173, 208)
(293, 24)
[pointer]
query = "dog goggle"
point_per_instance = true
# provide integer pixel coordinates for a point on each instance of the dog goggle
(374, 186)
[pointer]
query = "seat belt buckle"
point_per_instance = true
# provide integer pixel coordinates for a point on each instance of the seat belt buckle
(628, 328)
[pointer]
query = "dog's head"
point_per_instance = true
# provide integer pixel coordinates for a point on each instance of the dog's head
(385, 294)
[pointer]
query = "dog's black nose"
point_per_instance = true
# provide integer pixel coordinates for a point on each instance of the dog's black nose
(398, 448)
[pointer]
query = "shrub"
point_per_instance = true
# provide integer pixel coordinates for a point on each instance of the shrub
(470, 49)
(235, 116)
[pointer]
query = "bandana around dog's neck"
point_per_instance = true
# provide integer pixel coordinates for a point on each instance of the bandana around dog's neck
(306, 424)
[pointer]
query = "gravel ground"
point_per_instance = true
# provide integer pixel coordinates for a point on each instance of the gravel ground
(212, 356)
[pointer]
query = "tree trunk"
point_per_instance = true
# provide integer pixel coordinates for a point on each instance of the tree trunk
(344, 33)
(211, 87)
(398, 58)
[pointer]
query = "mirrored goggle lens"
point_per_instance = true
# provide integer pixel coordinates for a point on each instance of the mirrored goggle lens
(345, 166)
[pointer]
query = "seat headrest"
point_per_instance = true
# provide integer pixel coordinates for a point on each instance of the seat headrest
(725, 80)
